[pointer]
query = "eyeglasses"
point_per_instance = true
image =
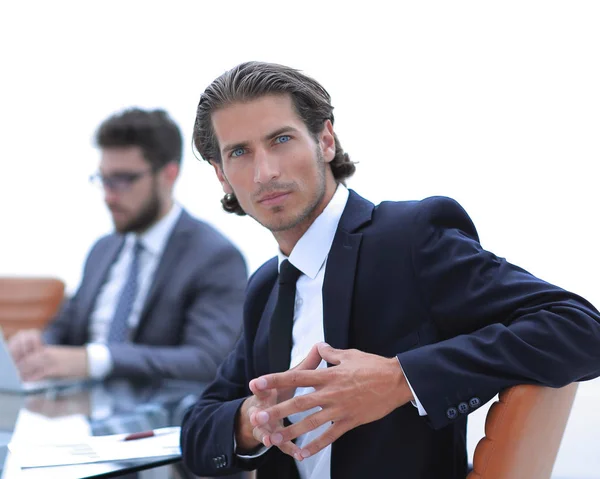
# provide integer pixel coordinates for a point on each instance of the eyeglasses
(119, 182)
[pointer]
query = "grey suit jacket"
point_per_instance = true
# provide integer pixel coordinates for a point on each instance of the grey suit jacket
(192, 315)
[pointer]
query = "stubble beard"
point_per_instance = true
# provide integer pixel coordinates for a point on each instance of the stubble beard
(145, 218)
(278, 225)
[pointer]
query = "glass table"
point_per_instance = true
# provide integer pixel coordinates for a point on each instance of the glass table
(101, 409)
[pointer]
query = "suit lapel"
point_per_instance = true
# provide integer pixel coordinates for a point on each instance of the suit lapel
(338, 284)
(98, 275)
(338, 287)
(261, 361)
(173, 251)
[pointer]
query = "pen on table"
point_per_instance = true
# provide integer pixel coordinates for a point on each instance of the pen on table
(138, 435)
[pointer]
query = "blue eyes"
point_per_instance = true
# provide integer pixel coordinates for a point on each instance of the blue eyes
(283, 139)
(236, 153)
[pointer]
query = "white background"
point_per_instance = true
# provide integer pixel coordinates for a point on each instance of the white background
(496, 104)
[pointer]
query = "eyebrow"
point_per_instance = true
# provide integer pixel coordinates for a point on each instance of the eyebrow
(267, 137)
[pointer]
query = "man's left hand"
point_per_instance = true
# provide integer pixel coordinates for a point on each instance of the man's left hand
(358, 389)
(54, 362)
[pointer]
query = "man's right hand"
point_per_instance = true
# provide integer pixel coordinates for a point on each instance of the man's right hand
(24, 343)
(247, 436)
(250, 431)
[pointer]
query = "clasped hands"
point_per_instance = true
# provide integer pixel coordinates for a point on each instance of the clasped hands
(357, 389)
(36, 360)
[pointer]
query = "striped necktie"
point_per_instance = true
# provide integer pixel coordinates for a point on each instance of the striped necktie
(119, 328)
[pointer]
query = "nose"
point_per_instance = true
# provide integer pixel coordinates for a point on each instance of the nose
(110, 196)
(266, 166)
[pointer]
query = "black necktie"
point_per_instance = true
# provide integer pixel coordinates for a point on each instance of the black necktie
(280, 334)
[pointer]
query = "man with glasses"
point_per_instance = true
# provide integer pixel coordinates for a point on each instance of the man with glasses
(162, 296)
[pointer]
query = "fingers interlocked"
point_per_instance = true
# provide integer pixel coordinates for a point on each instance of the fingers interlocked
(265, 428)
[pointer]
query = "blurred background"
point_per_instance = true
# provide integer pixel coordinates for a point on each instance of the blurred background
(494, 104)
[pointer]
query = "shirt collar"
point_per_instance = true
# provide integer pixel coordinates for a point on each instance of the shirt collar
(312, 248)
(155, 238)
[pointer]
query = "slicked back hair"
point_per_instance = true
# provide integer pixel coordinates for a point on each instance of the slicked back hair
(253, 80)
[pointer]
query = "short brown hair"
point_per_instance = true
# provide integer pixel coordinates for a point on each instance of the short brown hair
(252, 80)
(153, 131)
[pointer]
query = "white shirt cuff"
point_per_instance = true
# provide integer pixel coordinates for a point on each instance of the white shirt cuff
(259, 453)
(99, 360)
(416, 403)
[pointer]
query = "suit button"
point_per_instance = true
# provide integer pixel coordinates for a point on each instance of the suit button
(463, 408)
(474, 402)
(452, 413)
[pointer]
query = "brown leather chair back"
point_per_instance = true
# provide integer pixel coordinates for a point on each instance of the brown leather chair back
(28, 302)
(523, 431)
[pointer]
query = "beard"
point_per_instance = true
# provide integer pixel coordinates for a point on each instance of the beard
(145, 217)
(276, 225)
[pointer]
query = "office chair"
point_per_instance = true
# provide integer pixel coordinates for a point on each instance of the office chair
(28, 302)
(523, 431)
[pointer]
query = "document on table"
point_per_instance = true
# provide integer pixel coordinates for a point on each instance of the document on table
(164, 443)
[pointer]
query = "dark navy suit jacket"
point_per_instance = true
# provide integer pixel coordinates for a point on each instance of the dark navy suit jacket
(408, 279)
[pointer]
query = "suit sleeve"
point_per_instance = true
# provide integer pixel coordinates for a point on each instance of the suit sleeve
(59, 330)
(212, 324)
(500, 326)
(56, 332)
(208, 428)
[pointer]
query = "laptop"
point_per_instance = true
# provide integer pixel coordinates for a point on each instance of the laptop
(10, 406)
(10, 381)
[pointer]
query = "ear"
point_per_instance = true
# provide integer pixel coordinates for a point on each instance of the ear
(327, 141)
(221, 176)
(171, 172)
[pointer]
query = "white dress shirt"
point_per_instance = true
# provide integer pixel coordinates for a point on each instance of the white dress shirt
(310, 257)
(153, 243)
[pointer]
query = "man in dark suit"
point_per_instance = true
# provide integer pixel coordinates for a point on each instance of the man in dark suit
(162, 296)
(422, 325)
